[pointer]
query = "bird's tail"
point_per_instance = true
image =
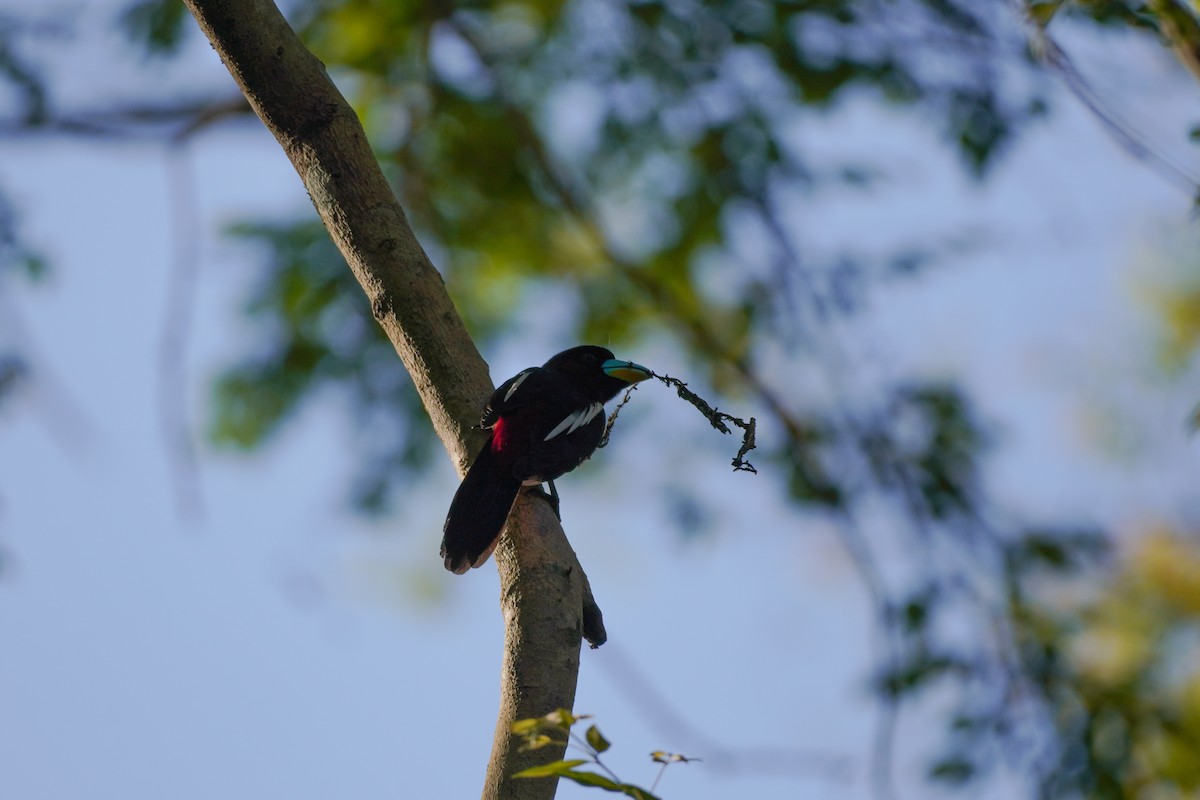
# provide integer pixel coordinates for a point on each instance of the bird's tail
(478, 512)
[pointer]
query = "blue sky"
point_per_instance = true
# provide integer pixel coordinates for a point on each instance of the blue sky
(282, 647)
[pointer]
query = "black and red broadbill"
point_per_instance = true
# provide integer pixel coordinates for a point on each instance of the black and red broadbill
(544, 421)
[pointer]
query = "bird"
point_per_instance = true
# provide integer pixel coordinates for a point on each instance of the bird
(543, 422)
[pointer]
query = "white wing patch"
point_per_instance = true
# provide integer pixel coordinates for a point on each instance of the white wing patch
(575, 420)
(520, 379)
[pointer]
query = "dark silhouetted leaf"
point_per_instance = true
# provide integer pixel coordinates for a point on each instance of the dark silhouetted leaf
(1043, 11)
(918, 671)
(157, 25)
(953, 771)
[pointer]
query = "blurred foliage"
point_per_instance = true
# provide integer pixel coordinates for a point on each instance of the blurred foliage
(1172, 293)
(643, 164)
(611, 154)
(1179, 310)
(156, 25)
(1118, 661)
(13, 372)
(929, 442)
(322, 333)
(616, 156)
(608, 151)
(538, 145)
(20, 75)
(16, 253)
(1107, 653)
(17, 257)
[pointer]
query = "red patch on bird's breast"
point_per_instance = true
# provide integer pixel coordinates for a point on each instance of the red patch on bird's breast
(498, 437)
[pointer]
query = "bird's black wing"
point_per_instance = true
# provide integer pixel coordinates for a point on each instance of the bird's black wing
(552, 422)
(567, 445)
(520, 390)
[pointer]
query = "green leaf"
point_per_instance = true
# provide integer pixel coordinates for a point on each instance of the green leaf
(597, 740)
(34, 266)
(638, 793)
(601, 782)
(563, 718)
(593, 779)
(524, 727)
(1044, 11)
(1052, 553)
(156, 25)
(1058, 550)
(953, 770)
(914, 615)
(13, 370)
(559, 768)
(919, 671)
(537, 742)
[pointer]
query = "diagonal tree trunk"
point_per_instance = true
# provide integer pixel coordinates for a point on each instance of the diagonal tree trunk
(545, 599)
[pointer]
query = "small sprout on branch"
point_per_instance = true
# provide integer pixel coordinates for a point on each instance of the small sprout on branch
(663, 757)
(537, 731)
(667, 759)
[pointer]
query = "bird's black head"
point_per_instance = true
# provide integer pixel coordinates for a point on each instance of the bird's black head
(599, 368)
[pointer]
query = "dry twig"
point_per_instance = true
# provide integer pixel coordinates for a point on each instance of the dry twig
(716, 418)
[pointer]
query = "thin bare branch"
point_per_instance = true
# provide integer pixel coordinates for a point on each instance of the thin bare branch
(670, 723)
(173, 342)
(1055, 58)
(166, 121)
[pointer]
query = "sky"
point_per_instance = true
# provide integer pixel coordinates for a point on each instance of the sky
(277, 645)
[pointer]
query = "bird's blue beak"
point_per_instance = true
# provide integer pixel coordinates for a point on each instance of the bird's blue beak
(625, 370)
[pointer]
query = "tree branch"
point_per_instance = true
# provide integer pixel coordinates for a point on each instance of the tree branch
(542, 587)
(541, 643)
(1048, 51)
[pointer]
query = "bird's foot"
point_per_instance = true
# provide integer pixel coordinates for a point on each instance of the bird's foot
(550, 497)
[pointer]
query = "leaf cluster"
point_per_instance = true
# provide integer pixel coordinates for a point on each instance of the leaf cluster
(679, 131)
(17, 257)
(556, 728)
(632, 167)
(1005, 710)
(314, 333)
(1117, 665)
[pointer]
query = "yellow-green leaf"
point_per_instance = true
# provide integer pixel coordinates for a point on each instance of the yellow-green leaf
(524, 727)
(537, 741)
(597, 740)
(559, 768)
(563, 718)
(1044, 11)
